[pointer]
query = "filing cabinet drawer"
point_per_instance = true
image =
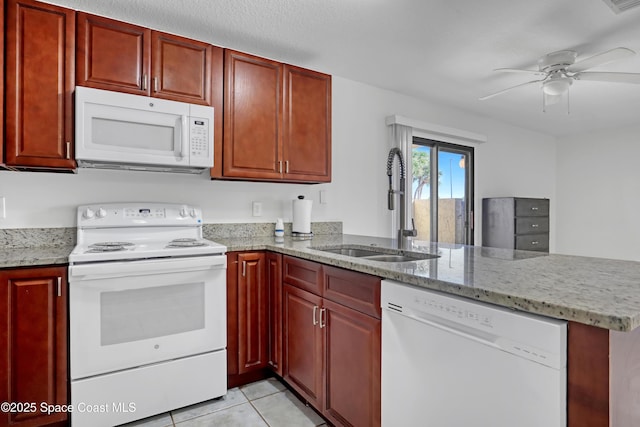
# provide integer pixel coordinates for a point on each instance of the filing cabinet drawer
(533, 242)
(532, 207)
(529, 225)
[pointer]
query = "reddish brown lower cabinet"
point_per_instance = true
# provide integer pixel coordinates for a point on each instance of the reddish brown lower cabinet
(33, 344)
(352, 363)
(303, 343)
(247, 317)
(603, 370)
(332, 341)
(274, 282)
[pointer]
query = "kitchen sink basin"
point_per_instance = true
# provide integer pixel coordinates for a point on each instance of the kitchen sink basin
(358, 253)
(378, 254)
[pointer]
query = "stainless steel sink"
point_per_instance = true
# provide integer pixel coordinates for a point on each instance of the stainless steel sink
(377, 254)
(358, 253)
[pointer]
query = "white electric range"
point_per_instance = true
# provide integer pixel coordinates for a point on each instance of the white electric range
(147, 304)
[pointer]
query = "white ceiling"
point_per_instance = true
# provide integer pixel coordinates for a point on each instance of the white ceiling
(442, 51)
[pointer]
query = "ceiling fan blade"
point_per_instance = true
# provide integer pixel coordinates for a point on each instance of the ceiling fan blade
(508, 89)
(519, 70)
(600, 59)
(609, 77)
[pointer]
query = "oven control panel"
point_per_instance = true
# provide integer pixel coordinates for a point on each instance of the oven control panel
(144, 213)
(135, 214)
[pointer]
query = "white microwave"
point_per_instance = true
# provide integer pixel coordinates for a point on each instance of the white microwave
(122, 131)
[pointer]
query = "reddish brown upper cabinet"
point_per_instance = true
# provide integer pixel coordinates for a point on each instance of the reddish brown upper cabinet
(33, 344)
(40, 46)
(306, 125)
(332, 340)
(2, 82)
(277, 121)
(118, 56)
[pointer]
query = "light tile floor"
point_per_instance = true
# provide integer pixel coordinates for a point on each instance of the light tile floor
(264, 403)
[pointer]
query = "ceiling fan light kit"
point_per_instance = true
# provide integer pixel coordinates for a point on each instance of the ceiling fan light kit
(619, 6)
(559, 70)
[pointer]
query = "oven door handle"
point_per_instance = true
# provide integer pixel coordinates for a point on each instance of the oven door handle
(106, 270)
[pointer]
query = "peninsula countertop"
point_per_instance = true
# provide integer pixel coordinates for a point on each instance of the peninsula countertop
(593, 291)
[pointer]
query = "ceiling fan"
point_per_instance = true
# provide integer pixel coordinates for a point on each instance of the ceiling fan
(558, 70)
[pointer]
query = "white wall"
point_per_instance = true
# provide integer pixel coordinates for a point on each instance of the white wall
(513, 162)
(599, 194)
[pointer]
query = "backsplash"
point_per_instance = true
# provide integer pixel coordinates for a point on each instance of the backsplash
(37, 237)
(59, 237)
(261, 229)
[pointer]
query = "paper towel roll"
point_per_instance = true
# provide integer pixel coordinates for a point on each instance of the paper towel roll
(301, 215)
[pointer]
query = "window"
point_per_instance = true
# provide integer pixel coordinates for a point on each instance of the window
(442, 191)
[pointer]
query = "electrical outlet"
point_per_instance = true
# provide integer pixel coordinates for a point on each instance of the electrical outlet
(257, 209)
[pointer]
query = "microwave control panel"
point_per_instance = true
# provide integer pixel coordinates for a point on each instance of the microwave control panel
(200, 142)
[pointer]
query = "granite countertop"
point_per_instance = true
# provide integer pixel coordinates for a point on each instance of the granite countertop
(594, 291)
(33, 257)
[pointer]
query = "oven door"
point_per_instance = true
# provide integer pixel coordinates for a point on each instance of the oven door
(132, 313)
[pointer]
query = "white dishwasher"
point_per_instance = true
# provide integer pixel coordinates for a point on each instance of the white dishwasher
(452, 362)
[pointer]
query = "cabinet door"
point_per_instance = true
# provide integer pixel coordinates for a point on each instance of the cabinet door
(232, 313)
(353, 354)
(33, 343)
(274, 281)
(2, 84)
(302, 343)
(113, 55)
(307, 125)
(39, 84)
(181, 68)
(252, 117)
(253, 320)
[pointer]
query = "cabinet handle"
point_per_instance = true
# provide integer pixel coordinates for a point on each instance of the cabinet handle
(68, 149)
(534, 208)
(286, 166)
(155, 84)
(279, 166)
(534, 226)
(315, 319)
(244, 268)
(535, 242)
(323, 320)
(144, 82)
(59, 286)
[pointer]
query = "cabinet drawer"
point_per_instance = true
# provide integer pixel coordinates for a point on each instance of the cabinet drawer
(304, 274)
(354, 290)
(528, 225)
(533, 242)
(532, 207)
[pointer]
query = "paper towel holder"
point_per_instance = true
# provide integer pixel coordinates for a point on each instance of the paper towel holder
(297, 235)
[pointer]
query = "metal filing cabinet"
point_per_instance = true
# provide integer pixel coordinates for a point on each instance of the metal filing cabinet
(516, 223)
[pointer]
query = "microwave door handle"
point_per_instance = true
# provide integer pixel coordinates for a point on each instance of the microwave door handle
(185, 135)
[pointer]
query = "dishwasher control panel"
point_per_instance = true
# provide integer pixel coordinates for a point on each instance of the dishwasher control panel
(529, 335)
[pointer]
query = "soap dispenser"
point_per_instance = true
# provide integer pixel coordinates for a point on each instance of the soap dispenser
(279, 232)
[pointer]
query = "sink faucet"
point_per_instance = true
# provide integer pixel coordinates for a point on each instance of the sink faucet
(403, 233)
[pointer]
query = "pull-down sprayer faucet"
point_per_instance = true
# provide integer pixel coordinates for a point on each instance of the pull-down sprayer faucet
(402, 232)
